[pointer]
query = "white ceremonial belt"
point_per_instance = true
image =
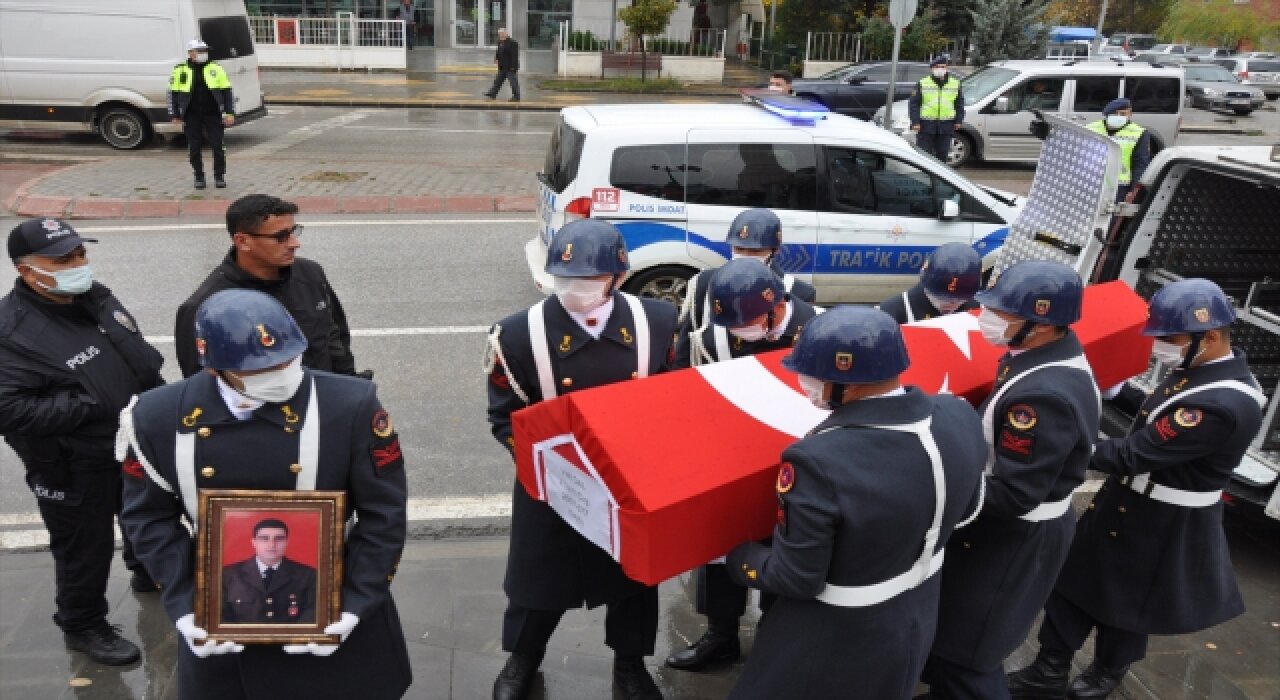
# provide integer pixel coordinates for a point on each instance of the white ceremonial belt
(1048, 510)
(1143, 484)
(876, 593)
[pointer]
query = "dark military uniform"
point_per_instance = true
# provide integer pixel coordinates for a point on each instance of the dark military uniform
(801, 312)
(550, 567)
(692, 316)
(289, 597)
(913, 305)
(1042, 420)
(1141, 565)
(357, 452)
(854, 510)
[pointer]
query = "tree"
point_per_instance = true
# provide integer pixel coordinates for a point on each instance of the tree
(1073, 13)
(1217, 22)
(952, 19)
(1004, 29)
(646, 17)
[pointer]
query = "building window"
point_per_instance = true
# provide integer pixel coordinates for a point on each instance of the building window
(545, 17)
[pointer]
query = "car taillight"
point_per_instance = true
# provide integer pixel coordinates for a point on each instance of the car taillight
(1243, 75)
(579, 208)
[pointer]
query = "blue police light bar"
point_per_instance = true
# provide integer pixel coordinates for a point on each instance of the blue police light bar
(795, 110)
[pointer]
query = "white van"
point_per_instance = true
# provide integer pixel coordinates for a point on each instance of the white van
(860, 207)
(90, 65)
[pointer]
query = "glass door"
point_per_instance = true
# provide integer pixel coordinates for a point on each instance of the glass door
(476, 22)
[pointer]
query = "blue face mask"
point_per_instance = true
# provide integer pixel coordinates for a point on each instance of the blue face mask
(72, 281)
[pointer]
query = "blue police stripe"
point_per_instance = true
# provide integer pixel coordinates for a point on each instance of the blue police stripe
(991, 241)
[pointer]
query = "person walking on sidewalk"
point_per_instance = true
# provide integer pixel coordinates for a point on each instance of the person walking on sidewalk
(404, 13)
(508, 60)
(71, 357)
(936, 107)
(200, 100)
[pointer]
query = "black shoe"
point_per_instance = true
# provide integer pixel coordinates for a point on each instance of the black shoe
(711, 648)
(1045, 678)
(104, 645)
(200, 185)
(632, 679)
(142, 583)
(1097, 681)
(492, 97)
(516, 678)
(219, 182)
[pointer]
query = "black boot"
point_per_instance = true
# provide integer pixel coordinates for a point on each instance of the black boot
(712, 648)
(103, 644)
(219, 182)
(199, 184)
(1046, 678)
(1097, 681)
(632, 680)
(516, 678)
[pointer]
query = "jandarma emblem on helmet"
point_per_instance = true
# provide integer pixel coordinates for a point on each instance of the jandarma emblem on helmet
(200, 345)
(1202, 315)
(716, 304)
(767, 294)
(567, 255)
(844, 361)
(955, 282)
(622, 255)
(745, 231)
(1042, 306)
(264, 337)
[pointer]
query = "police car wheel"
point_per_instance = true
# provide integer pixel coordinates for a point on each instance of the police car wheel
(961, 151)
(124, 128)
(669, 282)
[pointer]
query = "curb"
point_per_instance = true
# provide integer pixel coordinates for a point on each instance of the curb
(22, 203)
(380, 102)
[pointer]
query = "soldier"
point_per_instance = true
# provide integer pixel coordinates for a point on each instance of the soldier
(255, 399)
(751, 314)
(858, 542)
(1149, 556)
(269, 587)
(1040, 423)
(587, 335)
(948, 280)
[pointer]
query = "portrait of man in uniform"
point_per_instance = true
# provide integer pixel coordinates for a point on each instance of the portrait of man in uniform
(267, 587)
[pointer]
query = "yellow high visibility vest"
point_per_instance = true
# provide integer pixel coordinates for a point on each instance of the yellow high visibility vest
(214, 77)
(1127, 138)
(938, 103)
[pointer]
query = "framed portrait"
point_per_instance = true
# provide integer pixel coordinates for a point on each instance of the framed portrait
(269, 565)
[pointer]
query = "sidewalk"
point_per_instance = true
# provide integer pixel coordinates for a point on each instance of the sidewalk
(451, 602)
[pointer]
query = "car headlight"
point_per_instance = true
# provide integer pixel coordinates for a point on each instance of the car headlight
(1210, 92)
(1258, 95)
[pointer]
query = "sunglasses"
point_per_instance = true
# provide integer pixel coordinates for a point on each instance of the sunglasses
(280, 236)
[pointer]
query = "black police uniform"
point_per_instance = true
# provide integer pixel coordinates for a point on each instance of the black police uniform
(249, 595)
(66, 370)
(1000, 568)
(914, 305)
(1139, 565)
(302, 289)
(855, 514)
(550, 567)
(358, 453)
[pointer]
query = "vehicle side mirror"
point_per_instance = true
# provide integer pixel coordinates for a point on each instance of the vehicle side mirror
(1002, 105)
(948, 209)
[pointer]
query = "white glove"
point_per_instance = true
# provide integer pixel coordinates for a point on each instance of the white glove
(342, 628)
(187, 628)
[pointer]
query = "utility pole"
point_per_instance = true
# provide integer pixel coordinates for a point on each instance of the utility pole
(1102, 16)
(613, 27)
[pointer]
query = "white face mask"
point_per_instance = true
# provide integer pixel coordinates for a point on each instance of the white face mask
(993, 327)
(942, 305)
(581, 295)
(202, 57)
(1167, 353)
(938, 72)
(750, 334)
(813, 391)
(1116, 121)
(762, 258)
(276, 386)
(71, 281)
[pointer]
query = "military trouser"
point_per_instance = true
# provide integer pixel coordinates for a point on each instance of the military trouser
(630, 626)
(1066, 627)
(722, 600)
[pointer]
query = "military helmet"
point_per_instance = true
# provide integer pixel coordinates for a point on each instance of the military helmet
(850, 345)
(755, 229)
(953, 272)
(586, 248)
(244, 329)
(1188, 306)
(742, 290)
(1039, 291)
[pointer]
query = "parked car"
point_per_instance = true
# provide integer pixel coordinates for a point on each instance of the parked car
(1175, 49)
(858, 90)
(1204, 53)
(1261, 73)
(1258, 54)
(1109, 52)
(1131, 43)
(1161, 59)
(1213, 87)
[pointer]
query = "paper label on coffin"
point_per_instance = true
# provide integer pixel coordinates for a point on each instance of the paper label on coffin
(573, 488)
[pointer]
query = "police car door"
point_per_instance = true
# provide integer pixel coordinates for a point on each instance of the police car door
(880, 217)
(730, 170)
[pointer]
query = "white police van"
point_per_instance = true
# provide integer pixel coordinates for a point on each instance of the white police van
(860, 207)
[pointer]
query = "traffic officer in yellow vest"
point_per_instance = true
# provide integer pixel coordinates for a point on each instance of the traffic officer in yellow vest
(1134, 142)
(937, 109)
(200, 99)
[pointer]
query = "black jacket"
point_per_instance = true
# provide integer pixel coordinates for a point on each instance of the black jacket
(66, 370)
(304, 291)
(508, 55)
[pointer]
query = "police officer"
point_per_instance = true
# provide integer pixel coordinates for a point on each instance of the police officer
(257, 419)
(750, 314)
(588, 334)
(265, 237)
(200, 99)
(1040, 423)
(1149, 556)
(936, 107)
(1134, 142)
(71, 357)
(858, 544)
(948, 280)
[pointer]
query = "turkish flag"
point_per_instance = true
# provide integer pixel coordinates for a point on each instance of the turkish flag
(673, 471)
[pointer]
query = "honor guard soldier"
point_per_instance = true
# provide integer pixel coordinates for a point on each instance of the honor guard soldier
(948, 280)
(588, 334)
(1040, 422)
(1150, 556)
(866, 503)
(200, 99)
(256, 419)
(750, 314)
(936, 107)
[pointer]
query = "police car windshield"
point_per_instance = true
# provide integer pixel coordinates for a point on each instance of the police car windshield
(984, 81)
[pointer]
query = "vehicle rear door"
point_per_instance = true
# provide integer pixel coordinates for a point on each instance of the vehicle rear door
(1091, 94)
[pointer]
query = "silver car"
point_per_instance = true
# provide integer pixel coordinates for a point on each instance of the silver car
(1260, 73)
(1211, 86)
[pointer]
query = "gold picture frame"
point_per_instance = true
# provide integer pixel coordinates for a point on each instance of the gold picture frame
(269, 565)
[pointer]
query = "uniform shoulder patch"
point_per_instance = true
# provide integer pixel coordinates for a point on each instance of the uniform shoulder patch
(131, 467)
(786, 477)
(1022, 416)
(381, 424)
(386, 455)
(1188, 417)
(1016, 445)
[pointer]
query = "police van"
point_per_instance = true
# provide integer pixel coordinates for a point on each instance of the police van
(860, 207)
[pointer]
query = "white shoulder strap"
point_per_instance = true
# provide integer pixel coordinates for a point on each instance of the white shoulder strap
(1234, 384)
(988, 414)
(721, 335)
(127, 437)
(906, 304)
(788, 281)
(686, 307)
(641, 320)
(184, 464)
(309, 445)
(541, 355)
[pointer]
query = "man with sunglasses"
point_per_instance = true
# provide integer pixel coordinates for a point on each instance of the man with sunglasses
(265, 238)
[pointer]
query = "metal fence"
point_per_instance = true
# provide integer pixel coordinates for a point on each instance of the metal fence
(695, 42)
(833, 46)
(328, 31)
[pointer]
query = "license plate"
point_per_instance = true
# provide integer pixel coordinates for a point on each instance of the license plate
(1235, 101)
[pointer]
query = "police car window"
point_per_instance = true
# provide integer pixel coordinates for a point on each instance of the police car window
(227, 37)
(777, 176)
(1093, 93)
(561, 166)
(1037, 93)
(652, 171)
(1153, 95)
